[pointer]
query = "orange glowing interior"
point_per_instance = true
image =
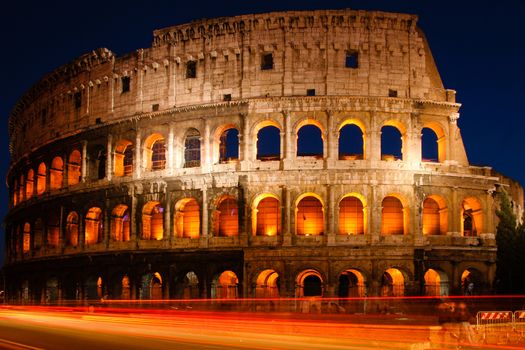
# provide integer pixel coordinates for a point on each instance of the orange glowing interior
(432, 283)
(393, 283)
(26, 246)
(267, 285)
(93, 231)
(72, 229)
(268, 217)
(228, 217)
(351, 216)
(21, 188)
(120, 223)
(392, 222)
(123, 158)
(74, 173)
(56, 173)
(310, 217)
(41, 179)
(29, 183)
(153, 221)
(187, 218)
(472, 217)
(226, 285)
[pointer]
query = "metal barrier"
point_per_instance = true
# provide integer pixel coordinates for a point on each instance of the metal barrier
(496, 326)
(519, 323)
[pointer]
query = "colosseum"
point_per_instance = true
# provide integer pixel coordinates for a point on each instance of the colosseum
(287, 154)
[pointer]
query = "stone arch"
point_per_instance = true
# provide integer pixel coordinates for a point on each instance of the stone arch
(190, 286)
(72, 232)
(187, 218)
(268, 140)
(74, 168)
(472, 281)
(471, 216)
(152, 221)
(226, 217)
(440, 147)
(125, 288)
(30, 180)
(436, 283)
(41, 178)
(154, 152)
(220, 145)
(393, 283)
(352, 214)
(267, 284)
(225, 285)
(391, 149)
(351, 139)
(435, 216)
(309, 215)
(56, 173)
(120, 223)
(314, 131)
(266, 215)
(192, 148)
(309, 283)
(93, 226)
(352, 284)
(123, 158)
(394, 215)
(21, 188)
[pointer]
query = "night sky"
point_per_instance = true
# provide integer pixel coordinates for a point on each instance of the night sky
(478, 46)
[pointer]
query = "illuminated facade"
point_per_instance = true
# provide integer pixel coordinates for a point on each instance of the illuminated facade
(249, 156)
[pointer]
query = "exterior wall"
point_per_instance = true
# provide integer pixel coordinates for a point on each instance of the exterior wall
(161, 101)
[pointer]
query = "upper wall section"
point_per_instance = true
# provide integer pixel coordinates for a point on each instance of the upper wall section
(326, 53)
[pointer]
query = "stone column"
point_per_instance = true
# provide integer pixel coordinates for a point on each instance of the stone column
(375, 206)
(205, 216)
(171, 150)
(288, 147)
(207, 157)
(84, 161)
(168, 232)
(287, 234)
(330, 204)
(109, 158)
(134, 227)
(65, 174)
(452, 130)
(244, 139)
(137, 162)
(106, 223)
(330, 144)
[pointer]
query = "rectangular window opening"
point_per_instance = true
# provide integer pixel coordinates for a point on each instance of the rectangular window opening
(191, 69)
(267, 61)
(351, 59)
(392, 93)
(155, 107)
(77, 99)
(310, 92)
(125, 84)
(227, 97)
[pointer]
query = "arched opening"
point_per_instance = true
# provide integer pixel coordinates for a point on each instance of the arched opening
(53, 230)
(471, 282)
(41, 179)
(433, 143)
(351, 142)
(94, 226)
(267, 215)
(309, 283)
(190, 286)
(472, 217)
(309, 219)
(227, 217)
(120, 223)
(51, 291)
(192, 149)
(56, 173)
(155, 152)
(124, 158)
(15, 192)
(391, 143)
(434, 216)
(26, 240)
(351, 284)
(100, 162)
(351, 216)
(229, 146)
(225, 286)
(267, 284)
(125, 289)
(151, 287)
(392, 283)
(72, 230)
(187, 218)
(74, 171)
(429, 145)
(392, 220)
(310, 141)
(436, 283)
(21, 189)
(29, 183)
(152, 221)
(93, 288)
(269, 143)
(38, 234)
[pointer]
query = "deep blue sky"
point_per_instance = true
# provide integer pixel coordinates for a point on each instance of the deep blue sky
(479, 48)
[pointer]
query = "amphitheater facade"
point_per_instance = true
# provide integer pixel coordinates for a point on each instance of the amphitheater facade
(267, 155)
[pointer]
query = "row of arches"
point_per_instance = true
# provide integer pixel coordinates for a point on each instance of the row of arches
(351, 146)
(266, 220)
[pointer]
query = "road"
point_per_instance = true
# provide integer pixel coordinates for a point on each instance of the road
(48, 328)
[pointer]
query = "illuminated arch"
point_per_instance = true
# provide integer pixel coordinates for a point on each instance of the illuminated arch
(187, 218)
(441, 144)
(225, 286)
(309, 215)
(394, 152)
(435, 216)
(436, 283)
(218, 145)
(394, 216)
(56, 173)
(15, 192)
(226, 217)
(190, 286)
(352, 215)
(268, 140)
(471, 281)
(30, 180)
(120, 223)
(125, 288)
(123, 158)
(355, 152)
(267, 284)
(309, 283)
(266, 215)
(152, 221)
(21, 188)
(192, 148)
(393, 283)
(93, 226)
(351, 284)
(471, 217)
(41, 178)
(155, 152)
(72, 229)
(302, 127)
(26, 239)
(74, 171)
